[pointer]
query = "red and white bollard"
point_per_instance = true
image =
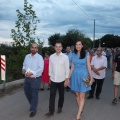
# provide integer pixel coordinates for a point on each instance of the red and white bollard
(3, 70)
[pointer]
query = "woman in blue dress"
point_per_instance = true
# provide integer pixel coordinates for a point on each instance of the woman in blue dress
(80, 69)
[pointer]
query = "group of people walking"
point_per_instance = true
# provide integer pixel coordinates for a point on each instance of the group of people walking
(61, 70)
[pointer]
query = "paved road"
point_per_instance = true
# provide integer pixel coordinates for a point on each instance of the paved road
(16, 107)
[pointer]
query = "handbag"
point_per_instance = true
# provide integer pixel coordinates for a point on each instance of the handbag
(86, 81)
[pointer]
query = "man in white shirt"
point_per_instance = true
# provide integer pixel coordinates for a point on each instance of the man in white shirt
(58, 72)
(98, 65)
(32, 68)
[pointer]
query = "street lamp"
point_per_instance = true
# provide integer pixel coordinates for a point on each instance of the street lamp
(94, 35)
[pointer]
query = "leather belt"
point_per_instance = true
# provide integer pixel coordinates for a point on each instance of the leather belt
(31, 78)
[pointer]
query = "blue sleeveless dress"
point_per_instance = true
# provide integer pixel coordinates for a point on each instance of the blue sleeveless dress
(79, 72)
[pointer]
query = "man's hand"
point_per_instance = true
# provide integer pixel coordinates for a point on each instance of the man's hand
(95, 70)
(66, 83)
(97, 73)
(23, 71)
(28, 74)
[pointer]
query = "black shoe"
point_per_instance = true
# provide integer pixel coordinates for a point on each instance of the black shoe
(67, 90)
(97, 97)
(41, 89)
(90, 97)
(48, 89)
(32, 114)
(59, 110)
(119, 98)
(49, 114)
(115, 101)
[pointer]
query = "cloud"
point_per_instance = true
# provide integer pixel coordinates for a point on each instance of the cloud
(57, 16)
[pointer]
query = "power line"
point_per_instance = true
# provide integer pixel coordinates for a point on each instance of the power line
(82, 10)
(90, 18)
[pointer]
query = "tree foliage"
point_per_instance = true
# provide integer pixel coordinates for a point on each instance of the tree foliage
(108, 40)
(70, 38)
(50, 49)
(26, 26)
(23, 35)
(14, 60)
(53, 38)
(15, 63)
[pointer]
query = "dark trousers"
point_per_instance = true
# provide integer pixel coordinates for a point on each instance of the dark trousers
(31, 88)
(108, 63)
(98, 86)
(53, 88)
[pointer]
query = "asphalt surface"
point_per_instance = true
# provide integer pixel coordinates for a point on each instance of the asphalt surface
(15, 106)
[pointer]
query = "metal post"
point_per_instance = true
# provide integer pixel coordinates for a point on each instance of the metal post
(94, 35)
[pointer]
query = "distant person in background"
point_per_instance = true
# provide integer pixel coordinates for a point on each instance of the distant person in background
(104, 52)
(45, 74)
(92, 53)
(108, 56)
(32, 68)
(112, 55)
(116, 51)
(116, 76)
(69, 54)
(98, 65)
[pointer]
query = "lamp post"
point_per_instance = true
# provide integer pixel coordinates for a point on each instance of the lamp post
(94, 35)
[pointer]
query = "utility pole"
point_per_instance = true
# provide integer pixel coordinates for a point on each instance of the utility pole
(94, 35)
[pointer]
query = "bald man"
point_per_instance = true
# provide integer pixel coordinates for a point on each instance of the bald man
(32, 68)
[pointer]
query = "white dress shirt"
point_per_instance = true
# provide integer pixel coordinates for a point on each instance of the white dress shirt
(34, 64)
(98, 62)
(58, 67)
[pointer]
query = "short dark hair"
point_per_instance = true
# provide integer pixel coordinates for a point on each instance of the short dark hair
(48, 53)
(58, 42)
(67, 46)
(82, 53)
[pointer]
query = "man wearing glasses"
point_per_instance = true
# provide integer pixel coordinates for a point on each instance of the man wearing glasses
(98, 65)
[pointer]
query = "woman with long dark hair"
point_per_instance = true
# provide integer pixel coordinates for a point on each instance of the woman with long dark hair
(80, 69)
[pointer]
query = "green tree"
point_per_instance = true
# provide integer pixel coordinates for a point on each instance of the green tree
(73, 34)
(88, 42)
(15, 63)
(96, 42)
(110, 41)
(70, 38)
(26, 26)
(53, 38)
(6, 50)
(50, 49)
(23, 35)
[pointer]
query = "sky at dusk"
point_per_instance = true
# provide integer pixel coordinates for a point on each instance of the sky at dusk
(58, 16)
